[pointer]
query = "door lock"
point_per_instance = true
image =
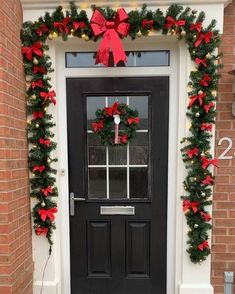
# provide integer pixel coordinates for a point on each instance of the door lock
(71, 202)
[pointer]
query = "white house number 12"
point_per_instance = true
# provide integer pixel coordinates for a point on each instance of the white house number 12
(230, 144)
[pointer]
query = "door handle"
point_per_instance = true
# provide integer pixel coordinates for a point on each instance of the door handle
(71, 202)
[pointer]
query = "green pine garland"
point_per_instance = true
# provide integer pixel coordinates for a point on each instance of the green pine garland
(202, 43)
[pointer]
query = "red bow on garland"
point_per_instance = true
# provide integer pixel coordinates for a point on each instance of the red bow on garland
(205, 81)
(34, 49)
(62, 26)
(201, 61)
(206, 37)
(46, 142)
(203, 245)
(134, 120)
(207, 107)
(97, 126)
(47, 190)
(188, 204)
(206, 162)
(206, 216)
(39, 69)
(206, 127)
(39, 168)
(38, 83)
(110, 111)
(198, 97)
(111, 31)
(49, 95)
(42, 29)
(41, 231)
(79, 25)
(147, 23)
(47, 213)
(208, 180)
(192, 152)
(196, 26)
(37, 115)
(172, 22)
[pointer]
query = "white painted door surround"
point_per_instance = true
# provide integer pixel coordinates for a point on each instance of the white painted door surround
(183, 277)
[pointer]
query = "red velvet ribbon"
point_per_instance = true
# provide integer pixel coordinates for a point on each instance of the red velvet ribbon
(207, 217)
(206, 37)
(46, 142)
(208, 180)
(206, 162)
(111, 30)
(134, 120)
(198, 97)
(62, 26)
(38, 83)
(49, 95)
(192, 152)
(207, 107)
(206, 127)
(47, 190)
(147, 23)
(110, 111)
(79, 25)
(201, 61)
(42, 29)
(47, 213)
(39, 69)
(196, 26)
(39, 168)
(205, 81)
(38, 114)
(172, 22)
(203, 245)
(188, 204)
(41, 231)
(34, 49)
(97, 126)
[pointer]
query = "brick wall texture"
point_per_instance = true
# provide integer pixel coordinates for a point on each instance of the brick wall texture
(223, 240)
(16, 266)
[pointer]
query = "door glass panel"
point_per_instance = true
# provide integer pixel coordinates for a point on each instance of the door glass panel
(117, 183)
(118, 172)
(97, 183)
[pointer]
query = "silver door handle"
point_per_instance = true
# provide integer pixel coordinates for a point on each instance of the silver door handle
(71, 202)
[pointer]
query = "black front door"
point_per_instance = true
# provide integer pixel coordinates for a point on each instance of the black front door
(118, 226)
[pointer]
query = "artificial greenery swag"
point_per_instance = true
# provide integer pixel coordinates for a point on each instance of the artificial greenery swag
(202, 42)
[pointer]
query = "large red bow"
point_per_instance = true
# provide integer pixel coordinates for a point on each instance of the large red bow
(206, 162)
(205, 81)
(34, 49)
(47, 213)
(206, 37)
(208, 180)
(46, 142)
(38, 83)
(207, 107)
(39, 168)
(134, 120)
(47, 190)
(201, 61)
(206, 127)
(62, 26)
(171, 22)
(97, 126)
(192, 152)
(49, 95)
(147, 23)
(38, 114)
(110, 111)
(196, 26)
(206, 216)
(198, 97)
(203, 245)
(188, 204)
(111, 31)
(41, 231)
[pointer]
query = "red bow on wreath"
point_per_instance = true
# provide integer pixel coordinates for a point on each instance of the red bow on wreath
(110, 111)
(34, 49)
(134, 120)
(62, 26)
(205, 81)
(171, 22)
(206, 37)
(208, 180)
(206, 162)
(194, 98)
(111, 30)
(192, 152)
(196, 26)
(97, 126)
(49, 95)
(193, 205)
(47, 190)
(47, 213)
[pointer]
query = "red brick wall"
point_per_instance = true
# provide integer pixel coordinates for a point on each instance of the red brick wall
(16, 266)
(223, 257)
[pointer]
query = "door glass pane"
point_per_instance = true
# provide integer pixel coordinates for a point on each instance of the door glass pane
(93, 103)
(96, 151)
(118, 155)
(139, 153)
(97, 183)
(138, 182)
(117, 183)
(141, 104)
